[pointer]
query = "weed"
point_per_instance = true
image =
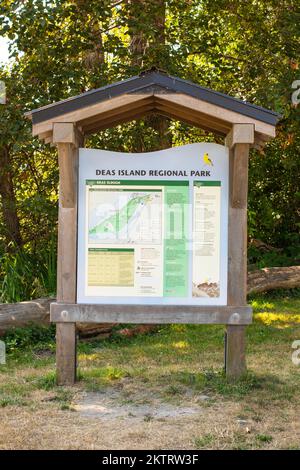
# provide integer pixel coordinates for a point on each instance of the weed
(263, 438)
(204, 441)
(47, 381)
(34, 337)
(173, 390)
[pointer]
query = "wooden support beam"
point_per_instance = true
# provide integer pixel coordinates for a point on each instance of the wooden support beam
(48, 140)
(67, 133)
(190, 122)
(121, 118)
(237, 250)
(237, 256)
(110, 124)
(115, 113)
(240, 134)
(89, 112)
(215, 111)
(235, 360)
(46, 137)
(68, 140)
(260, 141)
(198, 119)
(64, 132)
(239, 176)
(67, 176)
(66, 353)
(257, 146)
(193, 105)
(145, 106)
(97, 313)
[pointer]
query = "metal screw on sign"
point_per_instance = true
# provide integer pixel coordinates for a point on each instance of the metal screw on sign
(64, 314)
(235, 317)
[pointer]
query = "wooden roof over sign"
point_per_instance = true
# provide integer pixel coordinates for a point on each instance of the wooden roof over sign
(151, 92)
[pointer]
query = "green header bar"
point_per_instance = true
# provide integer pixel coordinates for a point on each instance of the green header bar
(130, 250)
(121, 190)
(136, 183)
(207, 183)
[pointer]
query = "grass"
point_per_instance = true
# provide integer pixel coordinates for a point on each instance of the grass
(175, 365)
(263, 438)
(204, 441)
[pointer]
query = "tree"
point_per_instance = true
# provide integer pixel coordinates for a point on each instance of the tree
(61, 48)
(8, 132)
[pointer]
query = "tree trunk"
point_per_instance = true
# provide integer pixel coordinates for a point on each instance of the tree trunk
(146, 27)
(8, 201)
(91, 25)
(138, 39)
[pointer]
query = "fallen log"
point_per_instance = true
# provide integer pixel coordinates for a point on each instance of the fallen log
(90, 330)
(266, 279)
(23, 313)
(37, 311)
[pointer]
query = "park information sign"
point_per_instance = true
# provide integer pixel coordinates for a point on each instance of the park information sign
(153, 227)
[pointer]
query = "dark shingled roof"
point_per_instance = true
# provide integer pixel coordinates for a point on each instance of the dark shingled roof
(153, 81)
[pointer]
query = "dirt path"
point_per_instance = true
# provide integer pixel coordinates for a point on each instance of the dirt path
(108, 420)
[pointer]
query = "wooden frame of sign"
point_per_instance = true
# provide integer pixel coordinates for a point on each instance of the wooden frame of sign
(65, 124)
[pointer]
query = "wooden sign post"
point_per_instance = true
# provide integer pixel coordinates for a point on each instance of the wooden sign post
(67, 138)
(65, 124)
(238, 140)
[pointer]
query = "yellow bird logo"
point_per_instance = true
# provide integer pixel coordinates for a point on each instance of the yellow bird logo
(207, 160)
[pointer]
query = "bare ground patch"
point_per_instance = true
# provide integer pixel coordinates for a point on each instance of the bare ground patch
(107, 421)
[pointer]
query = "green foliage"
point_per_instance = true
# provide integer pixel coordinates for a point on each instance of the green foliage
(204, 441)
(263, 438)
(259, 259)
(11, 401)
(274, 191)
(97, 377)
(27, 275)
(47, 381)
(284, 295)
(32, 337)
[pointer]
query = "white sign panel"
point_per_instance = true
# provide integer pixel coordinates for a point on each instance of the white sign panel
(152, 227)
